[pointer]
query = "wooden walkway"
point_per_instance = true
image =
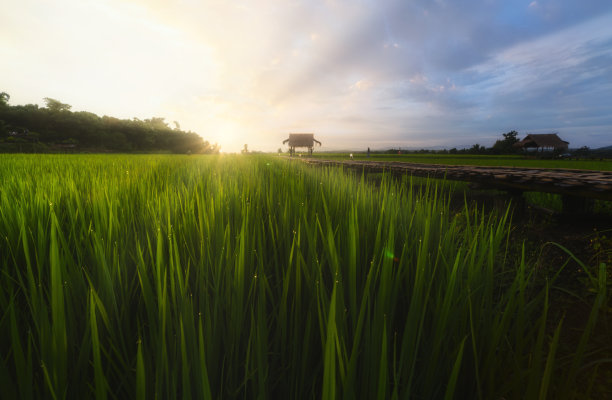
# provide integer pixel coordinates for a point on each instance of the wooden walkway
(568, 182)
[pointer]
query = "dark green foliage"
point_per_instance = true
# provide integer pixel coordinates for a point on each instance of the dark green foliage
(59, 129)
(506, 146)
(56, 105)
(4, 98)
(477, 149)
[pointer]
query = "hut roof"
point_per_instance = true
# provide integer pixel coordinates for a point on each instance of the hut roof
(542, 140)
(301, 140)
(301, 136)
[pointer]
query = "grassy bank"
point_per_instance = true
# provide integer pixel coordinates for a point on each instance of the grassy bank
(228, 276)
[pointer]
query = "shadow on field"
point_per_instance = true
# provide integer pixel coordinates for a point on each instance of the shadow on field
(571, 246)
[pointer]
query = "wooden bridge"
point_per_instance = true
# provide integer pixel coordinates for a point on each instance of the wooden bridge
(576, 186)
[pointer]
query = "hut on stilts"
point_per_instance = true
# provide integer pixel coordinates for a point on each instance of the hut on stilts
(301, 140)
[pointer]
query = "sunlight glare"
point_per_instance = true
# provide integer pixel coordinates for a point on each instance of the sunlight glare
(228, 135)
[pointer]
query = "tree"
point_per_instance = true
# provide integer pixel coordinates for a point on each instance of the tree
(506, 145)
(510, 137)
(56, 105)
(584, 151)
(4, 98)
(157, 123)
(476, 149)
(56, 124)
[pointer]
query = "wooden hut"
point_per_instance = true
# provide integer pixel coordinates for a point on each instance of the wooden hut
(543, 141)
(301, 140)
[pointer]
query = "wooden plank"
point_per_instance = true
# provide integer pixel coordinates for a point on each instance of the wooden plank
(572, 182)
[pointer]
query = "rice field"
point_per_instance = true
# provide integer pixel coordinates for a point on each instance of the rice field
(253, 277)
(520, 161)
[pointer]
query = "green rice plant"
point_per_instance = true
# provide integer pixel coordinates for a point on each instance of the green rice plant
(254, 277)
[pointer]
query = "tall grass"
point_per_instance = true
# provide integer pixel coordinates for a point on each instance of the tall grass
(245, 277)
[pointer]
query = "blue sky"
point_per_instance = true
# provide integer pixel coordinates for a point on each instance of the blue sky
(358, 74)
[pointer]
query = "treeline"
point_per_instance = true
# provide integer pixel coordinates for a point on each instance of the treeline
(30, 128)
(501, 146)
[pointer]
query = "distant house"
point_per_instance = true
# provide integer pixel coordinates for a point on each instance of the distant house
(542, 142)
(301, 140)
(24, 135)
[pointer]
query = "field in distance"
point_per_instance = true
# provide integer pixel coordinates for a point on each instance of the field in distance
(471, 159)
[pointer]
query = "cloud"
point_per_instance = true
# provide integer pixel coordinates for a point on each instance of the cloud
(362, 84)
(564, 74)
(403, 72)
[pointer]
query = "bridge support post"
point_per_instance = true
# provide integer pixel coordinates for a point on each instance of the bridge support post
(576, 205)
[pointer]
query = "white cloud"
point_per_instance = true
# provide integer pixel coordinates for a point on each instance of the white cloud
(362, 84)
(547, 62)
(241, 72)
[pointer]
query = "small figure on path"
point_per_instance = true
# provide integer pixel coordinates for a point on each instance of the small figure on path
(368, 152)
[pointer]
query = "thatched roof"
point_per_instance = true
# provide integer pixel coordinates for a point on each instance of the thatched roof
(542, 140)
(301, 140)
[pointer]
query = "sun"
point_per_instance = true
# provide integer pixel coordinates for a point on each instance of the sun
(228, 134)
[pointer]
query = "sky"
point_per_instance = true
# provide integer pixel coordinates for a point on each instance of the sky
(357, 74)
